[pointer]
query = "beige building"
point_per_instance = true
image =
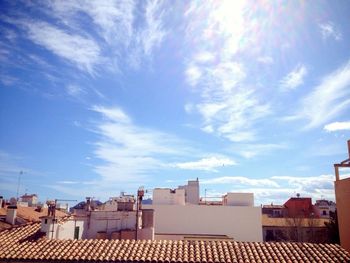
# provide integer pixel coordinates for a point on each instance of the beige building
(234, 217)
(342, 195)
(32, 199)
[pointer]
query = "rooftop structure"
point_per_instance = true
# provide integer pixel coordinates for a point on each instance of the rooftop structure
(234, 217)
(31, 199)
(342, 195)
(299, 207)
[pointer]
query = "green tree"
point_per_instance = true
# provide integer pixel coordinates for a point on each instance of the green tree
(332, 228)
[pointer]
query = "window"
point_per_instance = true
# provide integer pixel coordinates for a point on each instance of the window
(76, 232)
(324, 212)
(45, 221)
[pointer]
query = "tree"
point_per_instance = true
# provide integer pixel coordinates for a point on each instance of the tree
(332, 228)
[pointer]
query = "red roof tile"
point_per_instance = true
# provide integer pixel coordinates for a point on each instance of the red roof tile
(19, 244)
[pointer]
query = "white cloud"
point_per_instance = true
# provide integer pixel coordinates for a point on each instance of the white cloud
(294, 78)
(112, 19)
(206, 164)
(328, 30)
(193, 75)
(153, 33)
(228, 106)
(82, 51)
(278, 189)
(112, 114)
(204, 57)
(242, 181)
(265, 60)
(129, 152)
(328, 100)
(309, 184)
(255, 149)
(337, 126)
(74, 90)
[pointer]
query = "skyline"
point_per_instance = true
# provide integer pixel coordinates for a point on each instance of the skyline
(99, 97)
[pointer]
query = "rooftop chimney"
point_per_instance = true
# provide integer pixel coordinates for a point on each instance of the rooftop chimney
(11, 214)
(1, 200)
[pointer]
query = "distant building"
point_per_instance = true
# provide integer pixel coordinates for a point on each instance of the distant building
(178, 218)
(299, 207)
(273, 210)
(324, 207)
(342, 195)
(31, 199)
(294, 229)
(118, 218)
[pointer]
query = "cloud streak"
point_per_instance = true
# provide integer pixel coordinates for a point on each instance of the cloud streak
(129, 152)
(326, 101)
(294, 78)
(228, 106)
(81, 51)
(329, 30)
(206, 164)
(337, 126)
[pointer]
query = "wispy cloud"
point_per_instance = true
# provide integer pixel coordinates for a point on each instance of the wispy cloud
(329, 29)
(278, 189)
(112, 20)
(206, 164)
(129, 152)
(228, 106)
(265, 60)
(153, 32)
(337, 126)
(308, 184)
(294, 79)
(97, 36)
(327, 100)
(74, 90)
(255, 149)
(82, 51)
(242, 181)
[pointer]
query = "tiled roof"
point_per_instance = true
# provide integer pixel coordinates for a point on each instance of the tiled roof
(289, 222)
(26, 244)
(29, 214)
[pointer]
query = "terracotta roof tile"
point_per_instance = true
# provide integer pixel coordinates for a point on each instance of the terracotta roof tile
(16, 244)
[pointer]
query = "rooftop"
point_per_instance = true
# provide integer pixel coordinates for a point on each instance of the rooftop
(24, 243)
(30, 214)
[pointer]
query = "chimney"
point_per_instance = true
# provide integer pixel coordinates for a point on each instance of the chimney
(11, 214)
(88, 204)
(1, 200)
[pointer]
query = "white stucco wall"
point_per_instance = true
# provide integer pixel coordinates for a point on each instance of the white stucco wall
(191, 192)
(108, 221)
(239, 199)
(66, 230)
(242, 223)
(166, 196)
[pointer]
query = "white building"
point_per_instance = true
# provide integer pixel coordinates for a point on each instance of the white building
(235, 217)
(324, 207)
(166, 196)
(117, 219)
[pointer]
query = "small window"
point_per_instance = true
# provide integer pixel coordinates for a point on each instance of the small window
(45, 221)
(324, 212)
(76, 232)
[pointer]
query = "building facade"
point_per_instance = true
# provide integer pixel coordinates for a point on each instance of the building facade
(234, 217)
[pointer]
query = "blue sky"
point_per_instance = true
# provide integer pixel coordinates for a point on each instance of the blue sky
(99, 97)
